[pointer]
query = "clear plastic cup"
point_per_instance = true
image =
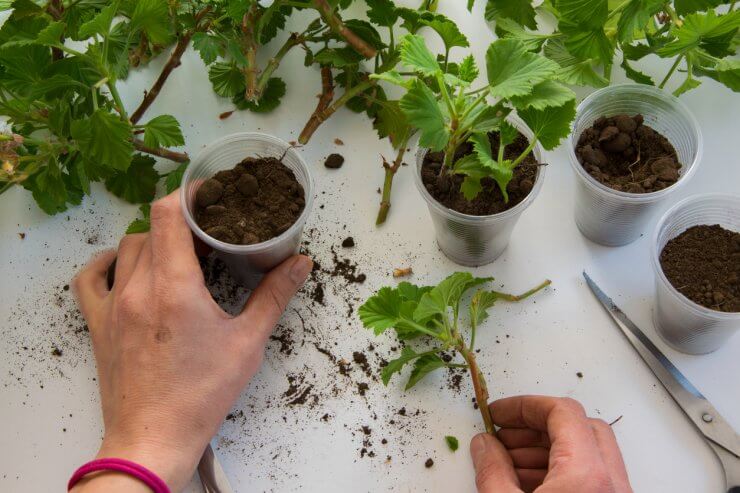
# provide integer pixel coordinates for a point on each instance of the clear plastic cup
(477, 240)
(247, 263)
(682, 323)
(610, 217)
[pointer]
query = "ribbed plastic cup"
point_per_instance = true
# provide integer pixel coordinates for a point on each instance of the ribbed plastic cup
(247, 263)
(610, 217)
(477, 240)
(682, 323)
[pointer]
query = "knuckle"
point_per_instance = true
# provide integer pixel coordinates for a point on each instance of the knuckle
(161, 209)
(572, 405)
(599, 481)
(128, 304)
(600, 425)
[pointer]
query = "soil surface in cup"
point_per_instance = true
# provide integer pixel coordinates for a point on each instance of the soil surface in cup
(446, 189)
(624, 154)
(703, 264)
(255, 201)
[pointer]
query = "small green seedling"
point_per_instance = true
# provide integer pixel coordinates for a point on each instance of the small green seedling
(433, 312)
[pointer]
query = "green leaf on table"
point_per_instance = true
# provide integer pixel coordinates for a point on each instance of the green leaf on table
(227, 79)
(137, 183)
(635, 74)
(163, 131)
(208, 46)
(140, 225)
(422, 367)
(393, 77)
(412, 292)
(446, 294)
(366, 32)
(519, 11)
(381, 311)
(48, 188)
(338, 57)
(551, 124)
(635, 17)
(468, 70)
(544, 95)
(448, 31)
(708, 31)
(424, 112)
(514, 71)
(507, 28)
(100, 24)
(272, 21)
(152, 17)
(382, 12)
(479, 305)
(396, 365)
(452, 443)
(268, 101)
(573, 70)
(416, 56)
(104, 137)
(174, 178)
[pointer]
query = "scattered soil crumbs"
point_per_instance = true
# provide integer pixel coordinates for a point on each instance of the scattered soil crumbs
(446, 189)
(334, 161)
(579, 374)
(348, 242)
(257, 200)
(429, 463)
(703, 264)
(626, 155)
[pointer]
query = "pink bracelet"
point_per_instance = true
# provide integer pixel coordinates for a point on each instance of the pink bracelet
(120, 465)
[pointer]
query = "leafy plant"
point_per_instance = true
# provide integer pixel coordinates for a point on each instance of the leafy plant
(448, 113)
(589, 33)
(433, 313)
(67, 125)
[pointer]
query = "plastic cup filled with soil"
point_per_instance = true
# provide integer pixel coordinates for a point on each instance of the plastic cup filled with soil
(248, 196)
(631, 146)
(696, 258)
(475, 232)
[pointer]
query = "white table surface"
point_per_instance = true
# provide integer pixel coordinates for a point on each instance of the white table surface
(49, 410)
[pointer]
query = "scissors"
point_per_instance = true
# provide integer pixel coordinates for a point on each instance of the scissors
(717, 432)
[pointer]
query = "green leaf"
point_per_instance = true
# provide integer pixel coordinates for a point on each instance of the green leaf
(268, 101)
(51, 35)
(48, 188)
(338, 57)
(100, 24)
(551, 124)
(152, 17)
(104, 137)
(174, 178)
(592, 13)
(484, 118)
(684, 7)
(208, 46)
(507, 28)
(479, 305)
(573, 70)
(587, 42)
(688, 84)
(137, 183)
(412, 292)
(634, 74)
(474, 171)
(446, 294)
(519, 11)
(501, 172)
(382, 12)
(140, 225)
(424, 112)
(381, 311)
(422, 367)
(23, 67)
(227, 79)
(393, 77)
(452, 443)
(514, 71)
(635, 18)
(391, 122)
(544, 95)
(448, 31)
(467, 70)
(395, 366)
(708, 31)
(728, 72)
(163, 131)
(366, 32)
(416, 55)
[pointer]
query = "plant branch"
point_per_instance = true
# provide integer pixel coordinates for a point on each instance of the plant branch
(321, 114)
(250, 51)
(479, 385)
(526, 294)
(336, 25)
(274, 63)
(178, 157)
(390, 172)
(670, 72)
(172, 63)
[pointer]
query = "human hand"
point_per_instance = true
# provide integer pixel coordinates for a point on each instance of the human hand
(547, 445)
(170, 362)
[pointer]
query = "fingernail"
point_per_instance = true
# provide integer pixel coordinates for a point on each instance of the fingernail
(478, 446)
(300, 269)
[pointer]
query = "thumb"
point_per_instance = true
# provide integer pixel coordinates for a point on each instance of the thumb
(268, 301)
(494, 469)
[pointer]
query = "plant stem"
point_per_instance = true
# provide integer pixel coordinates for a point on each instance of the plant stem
(250, 51)
(524, 154)
(675, 19)
(526, 294)
(117, 98)
(178, 157)
(390, 172)
(479, 385)
(670, 72)
(320, 115)
(336, 25)
(274, 63)
(172, 63)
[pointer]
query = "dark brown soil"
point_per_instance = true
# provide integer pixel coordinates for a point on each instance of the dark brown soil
(703, 264)
(446, 189)
(255, 201)
(626, 155)
(334, 161)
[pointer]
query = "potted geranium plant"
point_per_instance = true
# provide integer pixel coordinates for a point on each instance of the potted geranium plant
(479, 166)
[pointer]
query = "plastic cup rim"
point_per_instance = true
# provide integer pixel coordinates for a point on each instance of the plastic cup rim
(257, 247)
(658, 269)
(635, 197)
(469, 218)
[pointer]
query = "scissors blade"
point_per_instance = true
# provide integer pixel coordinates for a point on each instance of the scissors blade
(212, 475)
(704, 416)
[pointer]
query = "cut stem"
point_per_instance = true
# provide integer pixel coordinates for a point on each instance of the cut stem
(526, 294)
(390, 173)
(335, 23)
(479, 386)
(274, 63)
(321, 115)
(250, 51)
(178, 157)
